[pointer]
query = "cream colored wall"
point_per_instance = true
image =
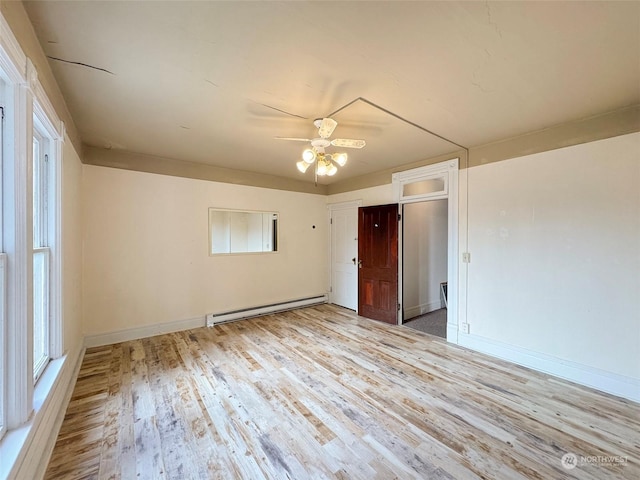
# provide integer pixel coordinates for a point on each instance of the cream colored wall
(72, 247)
(379, 195)
(146, 255)
(554, 240)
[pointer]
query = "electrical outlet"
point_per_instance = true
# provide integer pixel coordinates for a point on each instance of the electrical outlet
(464, 327)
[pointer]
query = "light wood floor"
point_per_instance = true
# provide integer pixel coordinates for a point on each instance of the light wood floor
(322, 393)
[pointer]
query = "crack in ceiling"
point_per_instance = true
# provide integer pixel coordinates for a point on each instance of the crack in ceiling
(80, 63)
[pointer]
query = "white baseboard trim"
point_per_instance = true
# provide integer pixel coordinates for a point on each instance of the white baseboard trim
(423, 308)
(452, 333)
(28, 448)
(613, 383)
(125, 335)
(215, 318)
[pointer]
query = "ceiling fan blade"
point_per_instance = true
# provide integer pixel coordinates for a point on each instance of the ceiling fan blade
(294, 139)
(327, 127)
(348, 143)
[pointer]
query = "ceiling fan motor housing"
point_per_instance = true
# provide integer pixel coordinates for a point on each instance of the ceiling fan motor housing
(320, 143)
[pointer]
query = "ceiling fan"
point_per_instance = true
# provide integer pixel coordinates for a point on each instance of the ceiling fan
(325, 162)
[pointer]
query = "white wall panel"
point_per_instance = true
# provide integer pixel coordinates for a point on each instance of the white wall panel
(72, 244)
(146, 257)
(555, 254)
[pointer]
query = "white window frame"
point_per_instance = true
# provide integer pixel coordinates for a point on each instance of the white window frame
(17, 241)
(25, 403)
(40, 188)
(50, 132)
(25, 103)
(41, 250)
(39, 364)
(3, 359)
(3, 282)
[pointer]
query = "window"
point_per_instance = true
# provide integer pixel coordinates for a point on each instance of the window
(235, 231)
(41, 252)
(30, 244)
(427, 186)
(3, 260)
(47, 329)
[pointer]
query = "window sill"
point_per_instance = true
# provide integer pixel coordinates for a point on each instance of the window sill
(17, 441)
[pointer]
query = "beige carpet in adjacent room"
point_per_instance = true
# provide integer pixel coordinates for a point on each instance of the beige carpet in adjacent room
(433, 323)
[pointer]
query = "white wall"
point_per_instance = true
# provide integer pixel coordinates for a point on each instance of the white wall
(380, 195)
(72, 248)
(555, 255)
(146, 258)
(424, 256)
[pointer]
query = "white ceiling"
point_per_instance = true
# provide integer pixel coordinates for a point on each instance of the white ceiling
(209, 82)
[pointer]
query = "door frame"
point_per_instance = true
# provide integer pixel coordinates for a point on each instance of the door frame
(332, 207)
(448, 172)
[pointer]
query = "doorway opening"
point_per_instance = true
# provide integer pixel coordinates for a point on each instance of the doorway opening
(421, 185)
(429, 185)
(425, 266)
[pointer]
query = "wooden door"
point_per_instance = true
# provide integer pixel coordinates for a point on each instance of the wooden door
(378, 260)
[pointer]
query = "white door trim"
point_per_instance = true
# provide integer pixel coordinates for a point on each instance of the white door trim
(448, 171)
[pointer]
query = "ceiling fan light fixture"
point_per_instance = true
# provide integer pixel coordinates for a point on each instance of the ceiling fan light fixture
(309, 156)
(303, 166)
(322, 167)
(340, 159)
(325, 163)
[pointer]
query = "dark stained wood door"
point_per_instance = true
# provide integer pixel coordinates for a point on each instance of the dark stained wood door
(378, 257)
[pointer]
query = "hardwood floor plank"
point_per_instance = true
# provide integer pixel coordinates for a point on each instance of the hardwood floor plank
(126, 435)
(109, 459)
(322, 393)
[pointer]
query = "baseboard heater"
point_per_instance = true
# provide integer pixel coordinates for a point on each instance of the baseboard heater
(216, 318)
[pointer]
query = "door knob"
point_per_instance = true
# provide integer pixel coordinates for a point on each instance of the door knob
(359, 262)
